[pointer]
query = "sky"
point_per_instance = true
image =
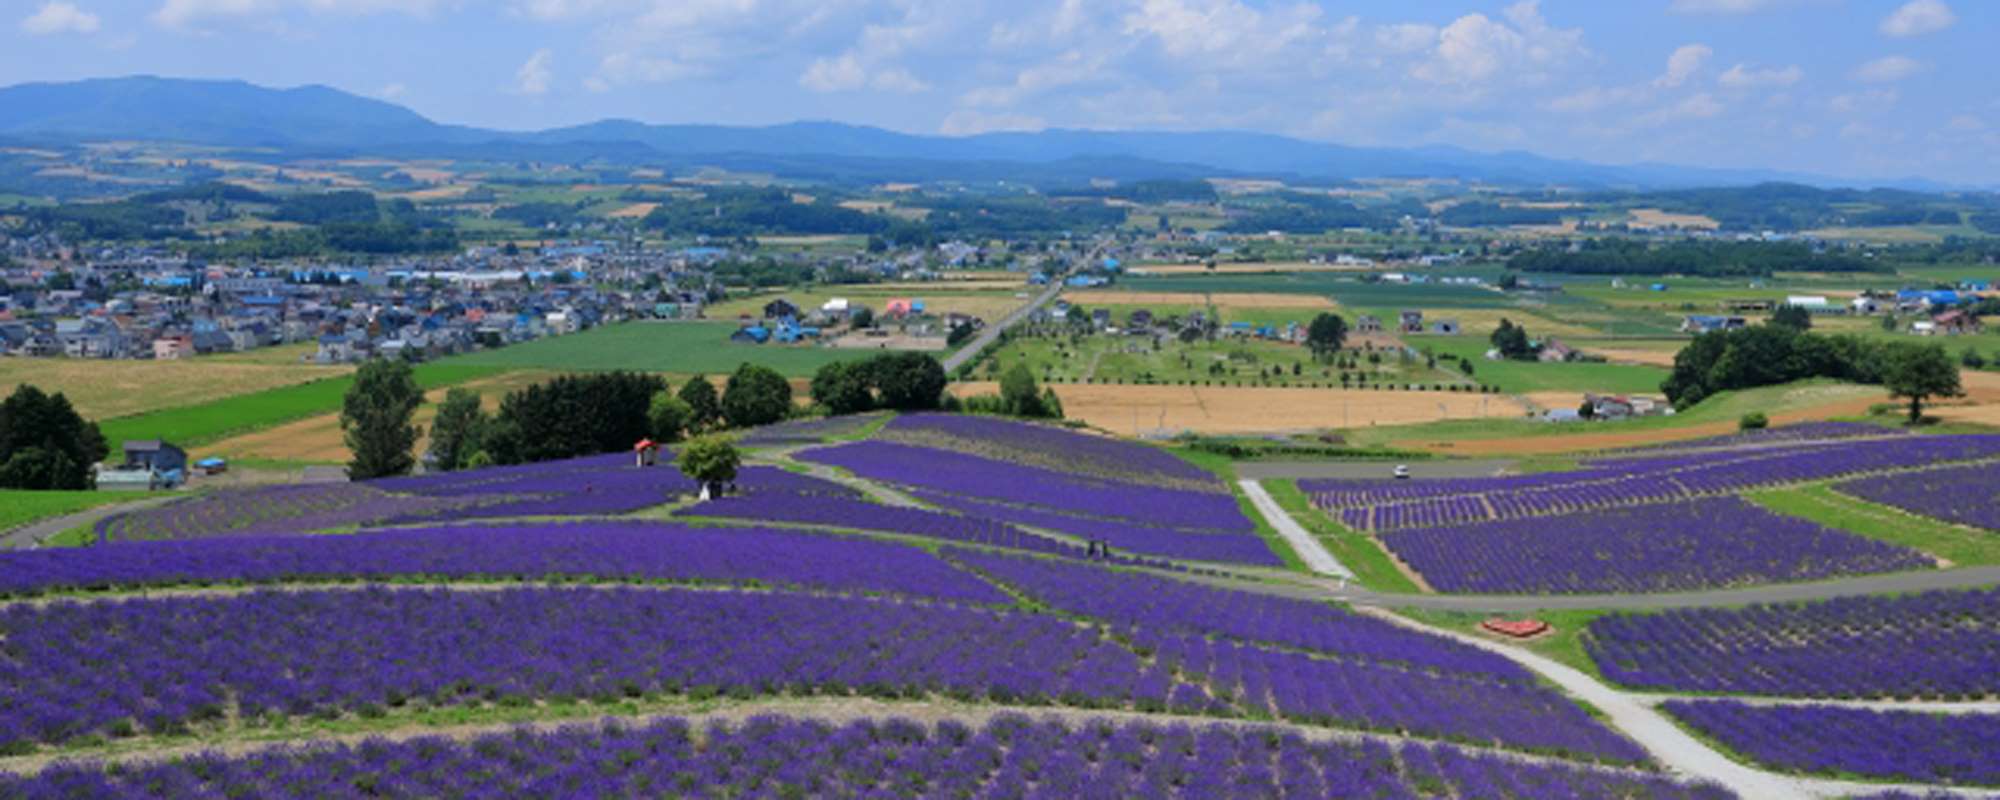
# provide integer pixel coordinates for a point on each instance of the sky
(1875, 89)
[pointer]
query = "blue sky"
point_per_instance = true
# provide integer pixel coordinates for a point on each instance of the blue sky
(1862, 88)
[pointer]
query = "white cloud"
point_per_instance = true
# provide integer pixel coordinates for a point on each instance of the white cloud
(1592, 99)
(1476, 48)
(1888, 69)
(59, 17)
(535, 74)
(183, 13)
(1224, 33)
(1919, 17)
(1685, 61)
(178, 13)
(1871, 102)
(1722, 6)
(1696, 106)
(1407, 37)
(1744, 76)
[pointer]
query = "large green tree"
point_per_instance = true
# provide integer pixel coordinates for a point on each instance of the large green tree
(376, 416)
(1795, 317)
(1326, 334)
(907, 381)
(1512, 341)
(843, 388)
(455, 434)
(1918, 373)
(703, 402)
(45, 444)
(668, 417)
(573, 415)
(1018, 394)
(711, 461)
(756, 395)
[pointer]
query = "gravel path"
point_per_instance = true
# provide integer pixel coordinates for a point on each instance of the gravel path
(1309, 549)
(35, 533)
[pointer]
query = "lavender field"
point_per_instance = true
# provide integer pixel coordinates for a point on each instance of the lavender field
(1934, 645)
(1966, 495)
(771, 756)
(1049, 447)
(1698, 544)
(1955, 749)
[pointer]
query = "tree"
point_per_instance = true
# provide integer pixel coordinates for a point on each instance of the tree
(702, 401)
(710, 461)
(960, 334)
(907, 381)
(1588, 410)
(1753, 421)
(1919, 372)
(45, 444)
(1512, 341)
(573, 415)
(843, 388)
(1018, 394)
(1795, 317)
(456, 433)
(1326, 334)
(667, 417)
(756, 395)
(376, 417)
(861, 317)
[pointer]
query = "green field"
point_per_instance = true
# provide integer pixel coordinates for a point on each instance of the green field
(1344, 289)
(1962, 546)
(190, 426)
(682, 348)
(19, 508)
(1518, 377)
(1366, 559)
(1136, 359)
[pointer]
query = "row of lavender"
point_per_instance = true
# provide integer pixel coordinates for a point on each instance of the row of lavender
(1009, 756)
(1697, 544)
(1938, 645)
(597, 485)
(1051, 448)
(578, 551)
(179, 665)
(1967, 495)
(1961, 749)
(1372, 506)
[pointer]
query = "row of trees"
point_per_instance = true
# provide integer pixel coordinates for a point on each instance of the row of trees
(895, 381)
(1767, 355)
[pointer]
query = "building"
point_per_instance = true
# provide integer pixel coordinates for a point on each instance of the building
(1555, 352)
(1368, 323)
(1412, 322)
(149, 465)
(1956, 322)
(1812, 303)
(173, 348)
(1709, 323)
(1446, 327)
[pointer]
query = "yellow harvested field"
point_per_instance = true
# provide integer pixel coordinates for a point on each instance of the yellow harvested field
(1220, 300)
(866, 206)
(1479, 322)
(1981, 404)
(106, 389)
(1655, 218)
(1650, 358)
(320, 440)
(437, 193)
(1147, 410)
(1548, 401)
(634, 211)
(1585, 442)
(1247, 268)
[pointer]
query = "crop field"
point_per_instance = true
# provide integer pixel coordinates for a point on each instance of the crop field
(1145, 411)
(918, 603)
(678, 348)
(234, 412)
(103, 390)
(319, 439)
(978, 299)
(1533, 376)
(1140, 359)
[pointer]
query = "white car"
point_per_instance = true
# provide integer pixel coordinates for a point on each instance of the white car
(1402, 472)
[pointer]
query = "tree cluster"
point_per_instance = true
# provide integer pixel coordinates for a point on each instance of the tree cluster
(1768, 355)
(1326, 334)
(45, 444)
(897, 381)
(1710, 259)
(1512, 341)
(375, 419)
(573, 415)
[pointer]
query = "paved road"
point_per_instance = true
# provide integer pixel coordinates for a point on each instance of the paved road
(1363, 470)
(35, 533)
(1302, 541)
(992, 332)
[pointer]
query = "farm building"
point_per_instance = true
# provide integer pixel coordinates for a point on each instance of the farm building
(1555, 352)
(149, 465)
(1412, 322)
(1446, 327)
(753, 334)
(1812, 303)
(780, 308)
(1954, 323)
(1708, 323)
(1368, 323)
(1864, 305)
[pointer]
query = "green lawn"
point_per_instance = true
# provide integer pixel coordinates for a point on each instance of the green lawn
(19, 508)
(683, 348)
(189, 426)
(1960, 545)
(1516, 377)
(1369, 562)
(1565, 645)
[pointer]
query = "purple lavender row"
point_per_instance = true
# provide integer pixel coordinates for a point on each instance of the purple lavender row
(807, 431)
(1234, 548)
(574, 551)
(1699, 544)
(956, 473)
(169, 665)
(1797, 433)
(272, 510)
(476, 481)
(1931, 645)
(1965, 495)
(1151, 603)
(1954, 749)
(845, 512)
(770, 756)
(1050, 447)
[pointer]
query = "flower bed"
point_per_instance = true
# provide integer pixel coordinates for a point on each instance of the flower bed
(1699, 544)
(1198, 545)
(1934, 644)
(843, 512)
(574, 551)
(1828, 740)
(1050, 447)
(985, 478)
(1965, 495)
(770, 756)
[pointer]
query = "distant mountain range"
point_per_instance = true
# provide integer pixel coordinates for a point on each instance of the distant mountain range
(320, 120)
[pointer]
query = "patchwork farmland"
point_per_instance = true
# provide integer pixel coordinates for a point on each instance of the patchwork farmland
(966, 605)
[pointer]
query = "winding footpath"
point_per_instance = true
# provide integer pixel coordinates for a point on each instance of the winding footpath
(35, 533)
(1302, 541)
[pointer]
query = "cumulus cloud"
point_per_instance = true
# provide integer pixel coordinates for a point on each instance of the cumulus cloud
(1722, 6)
(1919, 17)
(1888, 69)
(1476, 48)
(535, 75)
(1685, 61)
(183, 13)
(59, 17)
(1744, 76)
